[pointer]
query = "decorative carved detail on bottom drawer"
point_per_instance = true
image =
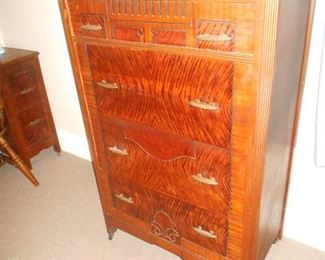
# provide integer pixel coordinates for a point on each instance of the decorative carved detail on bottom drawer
(162, 225)
(170, 218)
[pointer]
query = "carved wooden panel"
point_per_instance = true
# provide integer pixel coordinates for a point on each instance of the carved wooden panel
(150, 10)
(206, 228)
(202, 179)
(162, 225)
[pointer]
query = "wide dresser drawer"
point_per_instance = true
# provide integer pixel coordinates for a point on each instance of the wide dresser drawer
(181, 168)
(170, 218)
(187, 95)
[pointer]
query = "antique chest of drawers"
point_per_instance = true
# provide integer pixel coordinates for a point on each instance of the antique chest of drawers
(190, 107)
(30, 123)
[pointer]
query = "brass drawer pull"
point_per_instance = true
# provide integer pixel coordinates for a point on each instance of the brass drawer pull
(204, 105)
(26, 90)
(91, 27)
(209, 181)
(35, 122)
(205, 233)
(214, 38)
(105, 84)
(121, 197)
(118, 151)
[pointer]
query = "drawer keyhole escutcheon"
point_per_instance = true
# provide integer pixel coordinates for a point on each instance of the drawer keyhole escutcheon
(122, 198)
(197, 103)
(105, 84)
(205, 233)
(91, 27)
(209, 181)
(119, 151)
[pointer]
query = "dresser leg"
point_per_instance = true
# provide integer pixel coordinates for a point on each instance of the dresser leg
(110, 228)
(111, 231)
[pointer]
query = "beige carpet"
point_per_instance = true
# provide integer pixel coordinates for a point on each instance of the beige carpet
(62, 218)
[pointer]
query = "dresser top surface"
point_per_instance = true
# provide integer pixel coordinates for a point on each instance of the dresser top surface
(13, 54)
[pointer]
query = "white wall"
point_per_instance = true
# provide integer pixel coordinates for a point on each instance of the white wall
(36, 25)
(305, 216)
(1, 21)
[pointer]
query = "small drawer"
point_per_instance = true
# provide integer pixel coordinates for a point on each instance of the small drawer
(126, 32)
(170, 218)
(92, 26)
(21, 76)
(27, 97)
(37, 131)
(88, 18)
(35, 124)
(183, 169)
(32, 115)
(215, 35)
(225, 25)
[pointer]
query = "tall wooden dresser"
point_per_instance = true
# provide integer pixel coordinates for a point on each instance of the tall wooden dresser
(190, 107)
(30, 124)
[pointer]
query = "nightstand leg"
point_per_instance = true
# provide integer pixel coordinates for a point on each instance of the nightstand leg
(57, 149)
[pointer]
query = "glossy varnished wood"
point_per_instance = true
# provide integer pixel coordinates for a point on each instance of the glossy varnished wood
(284, 99)
(141, 20)
(136, 83)
(162, 212)
(170, 165)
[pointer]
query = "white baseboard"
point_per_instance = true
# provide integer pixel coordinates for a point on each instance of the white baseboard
(74, 143)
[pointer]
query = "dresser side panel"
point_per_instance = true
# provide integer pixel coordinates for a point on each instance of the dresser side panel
(292, 25)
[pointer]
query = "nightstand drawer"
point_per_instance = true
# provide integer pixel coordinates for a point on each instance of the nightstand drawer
(35, 124)
(21, 77)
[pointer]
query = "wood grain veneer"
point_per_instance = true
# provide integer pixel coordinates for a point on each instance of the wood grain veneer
(189, 109)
